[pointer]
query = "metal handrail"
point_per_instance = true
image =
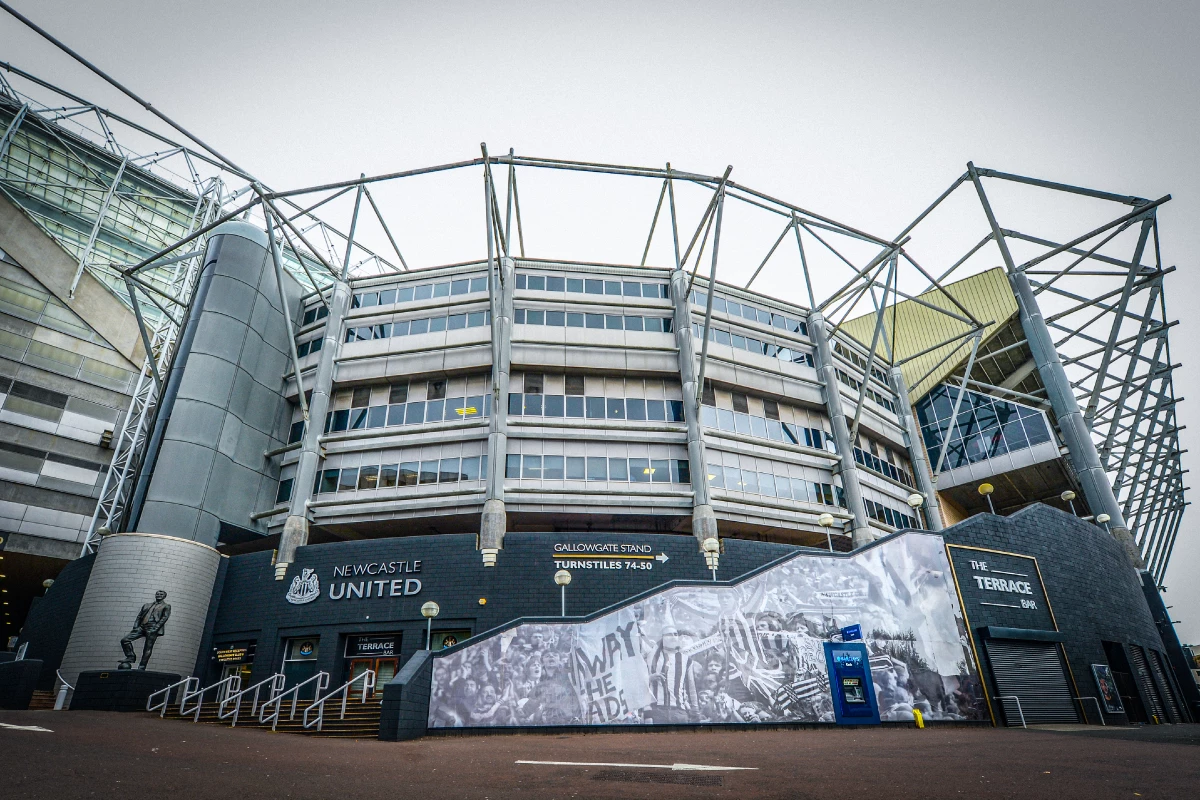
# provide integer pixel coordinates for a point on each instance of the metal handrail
(186, 683)
(1099, 710)
(1019, 711)
(322, 679)
(61, 700)
(277, 681)
(368, 679)
(235, 684)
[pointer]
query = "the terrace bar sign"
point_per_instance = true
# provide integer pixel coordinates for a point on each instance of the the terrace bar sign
(371, 646)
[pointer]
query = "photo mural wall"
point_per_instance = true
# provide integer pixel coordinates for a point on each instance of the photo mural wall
(747, 653)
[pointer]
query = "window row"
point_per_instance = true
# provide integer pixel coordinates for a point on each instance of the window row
(769, 485)
(555, 283)
(319, 311)
(405, 473)
(986, 426)
(311, 346)
(752, 345)
(860, 361)
(727, 305)
(887, 516)
(414, 327)
(748, 425)
(596, 468)
(424, 291)
(874, 462)
(557, 405)
(573, 319)
(396, 414)
(871, 394)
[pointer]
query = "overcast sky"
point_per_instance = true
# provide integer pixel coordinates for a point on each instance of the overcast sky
(862, 113)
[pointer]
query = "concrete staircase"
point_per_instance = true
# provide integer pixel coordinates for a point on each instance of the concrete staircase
(361, 722)
(42, 701)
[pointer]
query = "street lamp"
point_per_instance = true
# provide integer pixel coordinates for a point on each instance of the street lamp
(915, 501)
(712, 554)
(563, 579)
(1068, 497)
(1103, 520)
(429, 611)
(826, 522)
(986, 490)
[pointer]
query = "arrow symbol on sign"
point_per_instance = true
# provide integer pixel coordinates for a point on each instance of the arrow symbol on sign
(661, 557)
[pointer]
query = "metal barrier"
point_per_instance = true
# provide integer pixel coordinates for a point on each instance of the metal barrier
(186, 683)
(233, 682)
(1099, 710)
(277, 680)
(322, 679)
(1016, 699)
(368, 679)
(61, 700)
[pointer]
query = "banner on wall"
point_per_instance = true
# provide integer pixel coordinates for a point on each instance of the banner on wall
(748, 653)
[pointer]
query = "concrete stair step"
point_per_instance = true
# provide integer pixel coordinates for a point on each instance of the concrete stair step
(361, 720)
(42, 701)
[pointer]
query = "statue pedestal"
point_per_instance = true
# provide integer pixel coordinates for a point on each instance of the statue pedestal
(118, 690)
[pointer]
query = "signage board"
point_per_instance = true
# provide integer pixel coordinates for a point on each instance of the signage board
(234, 653)
(852, 633)
(1001, 588)
(1109, 694)
(372, 646)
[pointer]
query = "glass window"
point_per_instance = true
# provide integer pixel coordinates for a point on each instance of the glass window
(531, 467)
(285, 490)
(329, 481)
(618, 469)
(574, 319)
(575, 285)
(428, 473)
(597, 468)
(758, 427)
(738, 341)
(612, 287)
(377, 416)
(348, 481)
(460, 286)
(719, 303)
(681, 472)
(554, 283)
(800, 491)
(478, 285)
(595, 407)
(535, 317)
(533, 405)
(423, 292)
(395, 414)
(631, 289)
(401, 328)
(656, 410)
(519, 316)
(574, 406)
(418, 326)
(516, 403)
(512, 466)
(594, 320)
(522, 281)
(615, 407)
(408, 473)
(341, 420)
(387, 475)
(576, 469)
(537, 283)
(415, 413)
(660, 470)
(635, 408)
(716, 476)
(296, 433)
(437, 324)
(457, 322)
(633, 324)
(552, 468)
(448, 471)
(477, 319)
(387, 297)
(766, 484)
(652, 290)
(675, 407)
(441, 289)
(470, 468)
(435, 410)
(556, 318)
(613, 322)
(708, 416)
(749, 481)
(774, 430)
(741, 423)
(404, 294)
(368, 478)
(639, 470)
(476, 406)
(553, 406)
(721, 337)
(593, 286)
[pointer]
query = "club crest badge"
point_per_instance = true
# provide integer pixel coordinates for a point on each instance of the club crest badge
(305, 588)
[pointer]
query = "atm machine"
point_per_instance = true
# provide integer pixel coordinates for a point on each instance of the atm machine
(850, 683)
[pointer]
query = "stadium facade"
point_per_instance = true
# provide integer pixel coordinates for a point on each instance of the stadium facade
(311, 442)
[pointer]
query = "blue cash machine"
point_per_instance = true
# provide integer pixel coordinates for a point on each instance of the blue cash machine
(850, 683)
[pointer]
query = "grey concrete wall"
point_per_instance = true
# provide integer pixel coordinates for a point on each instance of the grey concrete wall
(129, 569)
(229, 408)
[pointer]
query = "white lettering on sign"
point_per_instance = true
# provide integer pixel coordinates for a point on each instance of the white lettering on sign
(377, 568)
(980, 566)
(601, 564)
(1003, 585)
(397, 587)
(606, 547)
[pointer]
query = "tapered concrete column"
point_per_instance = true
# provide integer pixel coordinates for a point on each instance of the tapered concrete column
(704, 521)
(494, 522)
(916, 451)
(1075, 432)
(862, 534)
(295, 529)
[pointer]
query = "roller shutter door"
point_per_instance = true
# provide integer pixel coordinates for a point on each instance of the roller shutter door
(1137, 657)
(1170, 705)
(1033, 672)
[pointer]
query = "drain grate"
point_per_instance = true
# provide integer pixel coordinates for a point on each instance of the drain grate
(623, 776)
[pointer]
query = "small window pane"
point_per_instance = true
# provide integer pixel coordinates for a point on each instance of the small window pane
(285, 490)
(595, 408)
(575, 285)
(660, 470)
(457, 322)
(635, 408)
(633, 324)
(329, 481)
(553, 405)
(716, 476)
(395, 414)
(476, 319)
(387, 475)
(368, 478)
(535, 317)
(639, 470)
(533, 405)
(556, 318)
(408, 473)
(612, 287)
(423, 292)
(415, 414)
(554, 283)
(758, 427)
(522, 281)
(460, 287)
(435, 410)
(615, 407)
(531, 467)
(618, 469)
(516, 403)
(593, 286)
(441, 289)
(576, 470)
(574, 320)
(574, 406)
(418, 326)
(537, 283)
(552, 468)
(597, 468)
(594, 320)
(656, 410)
(400, 328)
(437, 324)
(348, 481)
(675, 407)
(613, 322)
(512, 466)
(631, 289)
(448, 471)
(429, 472)
(377, 416)
(470, 468)
(478, 285)
(358, 419)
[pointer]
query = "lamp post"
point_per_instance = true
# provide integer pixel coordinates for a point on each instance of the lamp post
(429, 611)
(563, 579)
(915, 501)
(712, 554)
(1103, 520)
(1068, 497)
(986, 490)
(826, 522)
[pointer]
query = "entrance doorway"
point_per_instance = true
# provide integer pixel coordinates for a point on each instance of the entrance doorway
(229, 671)
(385, 670)
(378, 652)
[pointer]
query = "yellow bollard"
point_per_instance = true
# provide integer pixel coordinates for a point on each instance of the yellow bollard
(918, 718)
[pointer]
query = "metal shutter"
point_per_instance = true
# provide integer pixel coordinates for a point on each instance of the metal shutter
(1137, 657)
(1170, 704)
(1033, 671)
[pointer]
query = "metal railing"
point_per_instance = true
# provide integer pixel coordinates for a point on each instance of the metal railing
(1099, 710)
(322, 679)
(1017, 700)
(368, 681)
(61, 700)
(276, 681)
(233, 684)
(186, 683)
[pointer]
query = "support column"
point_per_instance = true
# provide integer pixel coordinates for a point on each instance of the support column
(916, 450)
(704, 520)
(494, 522)
(1075, 431)
(862, 534)
(295, 529)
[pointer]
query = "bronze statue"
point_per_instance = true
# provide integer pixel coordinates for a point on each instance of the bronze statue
(150, 624)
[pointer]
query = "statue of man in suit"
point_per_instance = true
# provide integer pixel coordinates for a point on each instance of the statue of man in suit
(150, 624)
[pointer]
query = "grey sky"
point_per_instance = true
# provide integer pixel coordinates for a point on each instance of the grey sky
(864, 114)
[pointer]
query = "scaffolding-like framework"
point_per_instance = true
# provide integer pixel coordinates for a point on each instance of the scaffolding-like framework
(1112, 341)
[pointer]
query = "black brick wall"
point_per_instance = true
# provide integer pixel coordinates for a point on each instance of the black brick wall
(48, 627)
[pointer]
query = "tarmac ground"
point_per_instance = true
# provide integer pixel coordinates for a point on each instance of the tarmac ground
(86, 754)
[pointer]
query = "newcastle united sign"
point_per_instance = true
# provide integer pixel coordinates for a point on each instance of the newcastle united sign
(359, 582)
